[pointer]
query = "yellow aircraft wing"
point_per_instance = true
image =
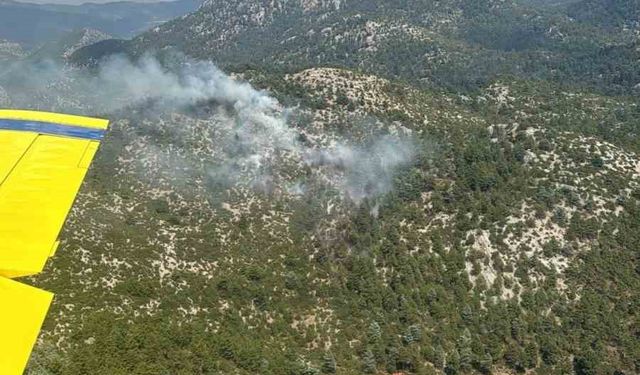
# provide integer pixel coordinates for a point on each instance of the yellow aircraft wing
(43, 160)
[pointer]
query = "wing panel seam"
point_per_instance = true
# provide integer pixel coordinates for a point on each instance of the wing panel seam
(18, 161)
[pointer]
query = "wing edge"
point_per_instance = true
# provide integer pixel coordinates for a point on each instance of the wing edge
(56, 118)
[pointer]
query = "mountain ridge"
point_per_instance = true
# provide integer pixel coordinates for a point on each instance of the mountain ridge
(506, 37)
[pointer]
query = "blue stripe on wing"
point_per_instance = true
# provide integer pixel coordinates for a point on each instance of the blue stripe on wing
(53, 129)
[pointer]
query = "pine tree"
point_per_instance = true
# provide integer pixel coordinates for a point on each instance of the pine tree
(466, 358)
(439, 357)
(485, 364)
(329, 364)
(453, 363)
(467, 314)
(416, 332)
(368, 363)
(375, 332)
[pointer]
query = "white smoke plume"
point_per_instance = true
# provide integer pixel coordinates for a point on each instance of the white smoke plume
(120, 82)
(259, 124)
(368, 170)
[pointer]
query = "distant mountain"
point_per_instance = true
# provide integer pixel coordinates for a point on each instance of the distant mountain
(32, 24)
(67, 44)
(451, 43)
(93, 53)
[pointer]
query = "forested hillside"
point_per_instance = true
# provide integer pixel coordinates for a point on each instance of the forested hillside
(455, 44)
(423, 187)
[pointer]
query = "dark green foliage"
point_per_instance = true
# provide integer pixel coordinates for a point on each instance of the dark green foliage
(329, 364)
(368, 363)
(597, 162)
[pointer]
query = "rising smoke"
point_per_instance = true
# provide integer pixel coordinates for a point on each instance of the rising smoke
(368, 169)
(260, 125)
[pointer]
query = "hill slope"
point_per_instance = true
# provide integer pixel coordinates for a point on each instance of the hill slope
(425, 187)
(454, 44)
